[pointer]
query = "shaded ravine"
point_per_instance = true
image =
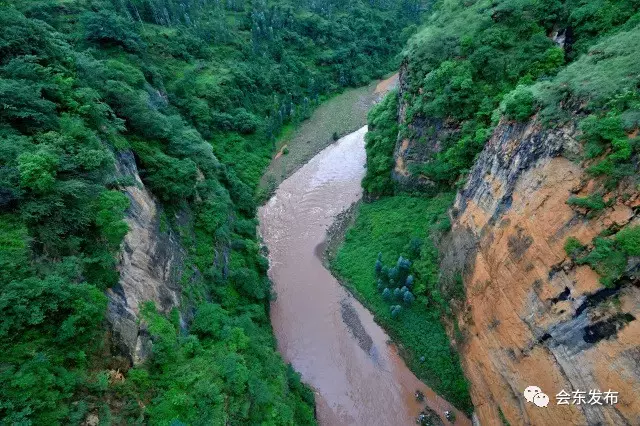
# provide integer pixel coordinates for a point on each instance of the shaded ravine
(327, 335)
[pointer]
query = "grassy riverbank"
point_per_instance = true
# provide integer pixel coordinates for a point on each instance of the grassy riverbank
(339, 115)
(395, 226)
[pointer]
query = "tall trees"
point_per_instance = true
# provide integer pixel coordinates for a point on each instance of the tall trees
(195, 91)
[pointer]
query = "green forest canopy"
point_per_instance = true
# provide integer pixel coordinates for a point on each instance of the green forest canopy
(197, 90)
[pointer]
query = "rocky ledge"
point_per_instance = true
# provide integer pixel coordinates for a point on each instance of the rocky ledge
(149, 267)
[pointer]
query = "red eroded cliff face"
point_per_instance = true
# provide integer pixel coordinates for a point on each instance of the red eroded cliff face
(532, 316)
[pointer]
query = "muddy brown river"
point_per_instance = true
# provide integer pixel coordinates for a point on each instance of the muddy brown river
(327, 335)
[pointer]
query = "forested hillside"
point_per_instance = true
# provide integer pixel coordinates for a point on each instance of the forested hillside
(530, 110)
(463, 65)
(196, 91)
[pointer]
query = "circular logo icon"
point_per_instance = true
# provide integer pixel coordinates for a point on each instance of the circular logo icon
(541, 399)
(531, 392)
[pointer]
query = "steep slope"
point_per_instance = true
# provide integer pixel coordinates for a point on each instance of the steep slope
(133, 134)
(458, 69)
(532, 315)
(531, 110)
(150, 266)
(552, 277)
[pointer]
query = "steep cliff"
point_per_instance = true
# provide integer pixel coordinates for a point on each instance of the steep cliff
(537, 129)
(532, 315)
(149, 266)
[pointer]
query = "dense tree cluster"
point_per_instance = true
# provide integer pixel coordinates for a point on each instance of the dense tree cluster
(381, 140)
(196, 90)
(399, 279)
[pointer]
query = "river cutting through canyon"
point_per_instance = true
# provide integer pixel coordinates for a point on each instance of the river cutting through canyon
(325, 333)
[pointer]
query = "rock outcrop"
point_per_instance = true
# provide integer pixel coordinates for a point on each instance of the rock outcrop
(419, 142)
(149, 267)
(532, 316)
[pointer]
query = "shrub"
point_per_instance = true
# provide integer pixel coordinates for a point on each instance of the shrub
(209, 320)
(519, 104)
(593, 202)
(607, 260)
(386, 294)
(573, 247)
(244, 122)
(111, 206)
(379, 265)
(409, 281)
(38, 170)
(171, 179)
(408, 298)
(393, 275)
(395, 311)
(629, 240)
(106, 27)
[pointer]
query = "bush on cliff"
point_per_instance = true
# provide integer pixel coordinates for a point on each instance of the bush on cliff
(380, 142)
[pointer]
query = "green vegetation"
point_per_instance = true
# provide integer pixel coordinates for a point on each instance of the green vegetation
(197, 91)
(610, 255)
(471, 65)
(461, 65)
(477, 61)
(606, 82)
(606, 259)
(380, 142)
(405, 226)
(207, 374)
(629, 240)
(503, 419)
(399, 279)
(336, 116)
(573, 247)
(519, 104)
(593, 202)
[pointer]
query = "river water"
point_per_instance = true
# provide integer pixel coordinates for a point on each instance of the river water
(327, 335)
